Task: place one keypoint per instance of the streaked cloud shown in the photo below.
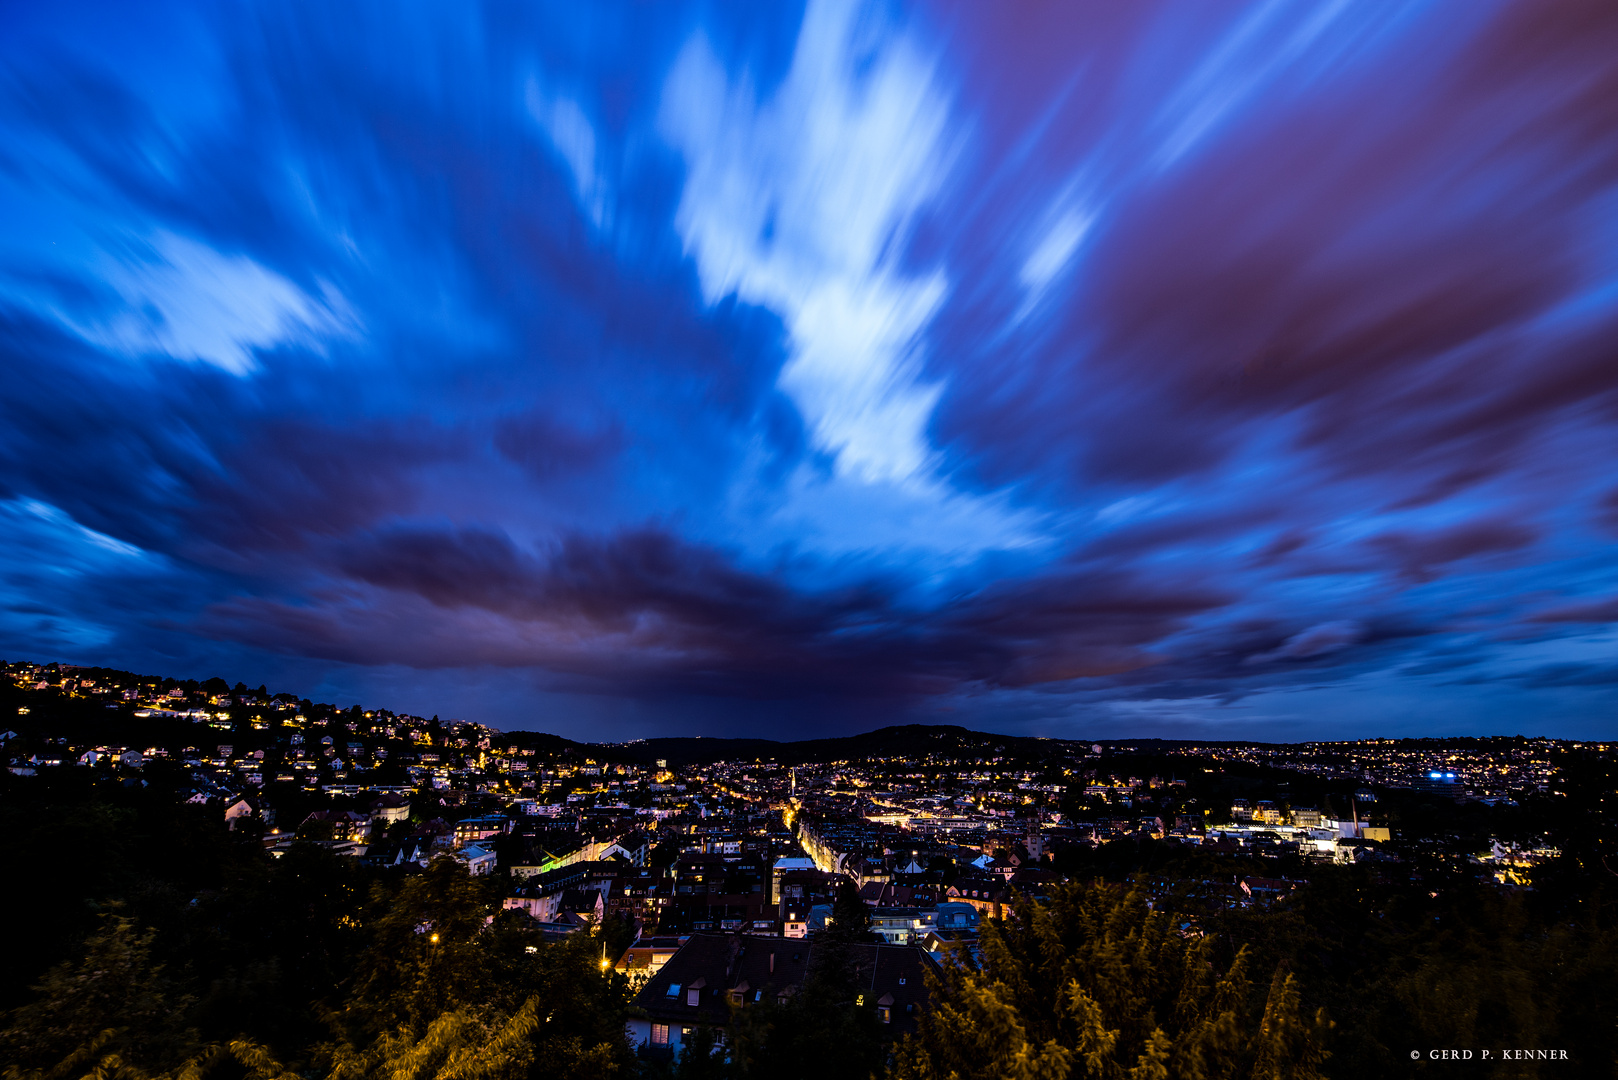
(802, 202)
(183, 300)
(1118, 367)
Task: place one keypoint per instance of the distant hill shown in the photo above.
(908, 740)
(113, 719)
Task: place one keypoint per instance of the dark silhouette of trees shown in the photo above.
(311, 966)
(850, 916)
(113, 1002)
(822, 1030)
(1097, 984)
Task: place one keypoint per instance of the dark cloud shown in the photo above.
(1559, 675)
(545, 447)
(1319, 640)
(1271, 355)
(651, 613)
(1420, 555)
(1596, 611)
(1375, 260)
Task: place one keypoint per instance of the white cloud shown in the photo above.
(571, 133)
(190, 302)
(930, 521)
(65, 531)
(43, 597)
(1127, 509)
(1271, 39)
(1056, 246)
(802, 203)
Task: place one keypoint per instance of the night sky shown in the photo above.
(1083, 369)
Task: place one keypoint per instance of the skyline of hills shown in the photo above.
(955, 742)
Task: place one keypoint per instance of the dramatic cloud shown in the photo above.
(187, 302)
(1242, 370)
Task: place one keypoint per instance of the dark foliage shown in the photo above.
(850, 916)
(176, 947)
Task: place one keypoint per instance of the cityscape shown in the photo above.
(707, 871)
(818, 540)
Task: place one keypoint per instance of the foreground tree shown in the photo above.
(113, 1003)
(445, 987)
(823, 1030)
(1095, 984)
(850, 917)
(451, 987)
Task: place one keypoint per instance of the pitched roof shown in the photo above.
(580, 900)
(713, 965)
(886, 893)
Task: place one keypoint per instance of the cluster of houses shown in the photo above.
(725, 932)
(727, 924)
(734, 919)
(710, 976)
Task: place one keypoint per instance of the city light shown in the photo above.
(707, 478)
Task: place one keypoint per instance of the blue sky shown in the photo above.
(1090, 369)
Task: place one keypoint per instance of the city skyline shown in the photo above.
(1215, 373)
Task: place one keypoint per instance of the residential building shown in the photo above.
(712, 974)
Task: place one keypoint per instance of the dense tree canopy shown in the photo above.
(231, 964)
(1096, 984)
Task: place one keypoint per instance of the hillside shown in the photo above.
(907, 741)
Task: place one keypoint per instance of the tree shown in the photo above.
(980, 1035)
(460, 1043)
(226, 964)
(439, 972)
(114, 999)
(850, 916)
(1288, 1045)
(703, 1056)
(823, 1030)
(1096, 984)
(426, 956)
